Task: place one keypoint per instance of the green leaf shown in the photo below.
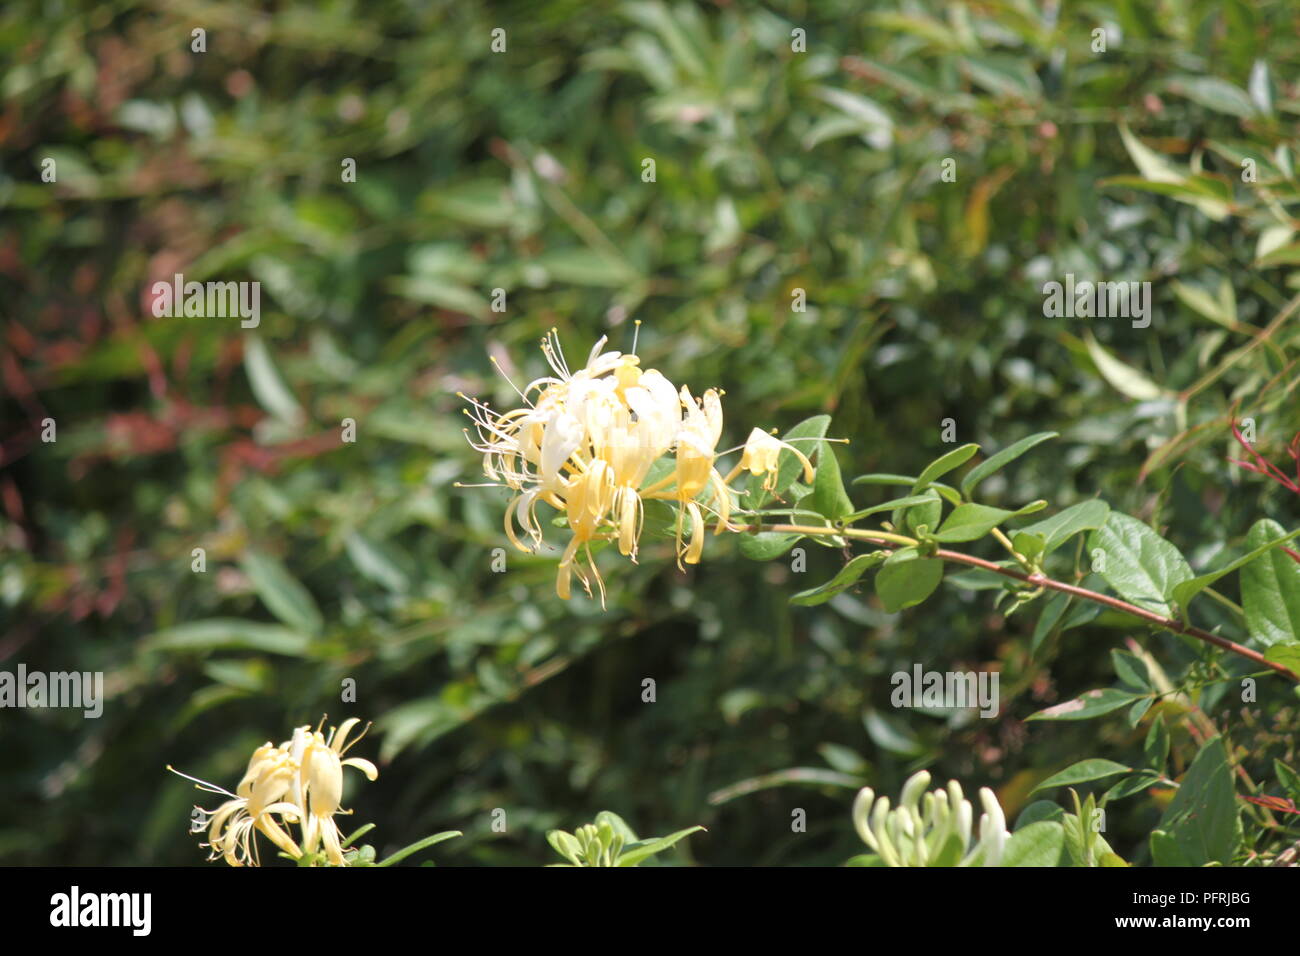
(889, 732)
(373, 561)
(1201, 302)
(968, 521)
(442, 292)
(1288, 655)
(1082, 772)
(1150, 164)
(946, 492)
(1036, 812)
(1201, 823)
(1093, 703)
(282, 594)
(1165, 850)
(1030, 545)
(1140, 565)
(1196, 191)
(1184, 592)
(618, 825)
(1286, 255)
(1038, 844)
(1001, 460)
(890, 505)
(1270, 589)
(634, 854)
(357, 834)
(906, 579)
(1063, 525)
(1139, 710)
(1004, 76)
(925, 514)
(230, 634)
(1156, 746)
(1130, 670)
(1214, 94)
(1085, 612)
(1052, 612)
(828, 496)
(1125, 379)
(1142, 780)
(884, 478)
(1261, 88)
(944, 464)
(565, 844)
(580, 266)
(846, 578)
(419, 845)
(766, 545)
(1288, 778)
(268, 386)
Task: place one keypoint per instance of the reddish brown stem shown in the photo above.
(1041, 580)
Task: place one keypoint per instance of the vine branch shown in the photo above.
(1040, 581)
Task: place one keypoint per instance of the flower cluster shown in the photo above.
(930, 831)
(586, 443)
(299, 782)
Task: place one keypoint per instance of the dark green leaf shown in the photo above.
(1038, 844)
(1130, 670)
(1063, 525)
(281, 593)
(1140, 565)
(968, 522)
(1142, 780)
(1086, 706)
(846, 578)
(637, 852)
(1001, 460)
(1202, 821)
(1270, 589)
(1184, 592)
(1083, 771)
(906, 579)
(230, 634)
(767, 545)
(944, 464)
(828, 497)
(1156, 746)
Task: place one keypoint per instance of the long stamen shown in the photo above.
(352, 743)
(497, 366)
(203, 784)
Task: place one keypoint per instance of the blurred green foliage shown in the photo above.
(774, 170)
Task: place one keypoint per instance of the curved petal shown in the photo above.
(364, 765)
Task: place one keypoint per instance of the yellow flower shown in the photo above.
(254, 806)
(321, 779)
(696, 450)
(762, 457)
(586, 442)
(298, 782)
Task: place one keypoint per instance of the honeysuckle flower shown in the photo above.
(762, 457)
(586, 443)
(252, 807)
(321, 779)
(298, 782)
(931, 829)
(697, 443)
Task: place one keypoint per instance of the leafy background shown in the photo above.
(775, 170)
